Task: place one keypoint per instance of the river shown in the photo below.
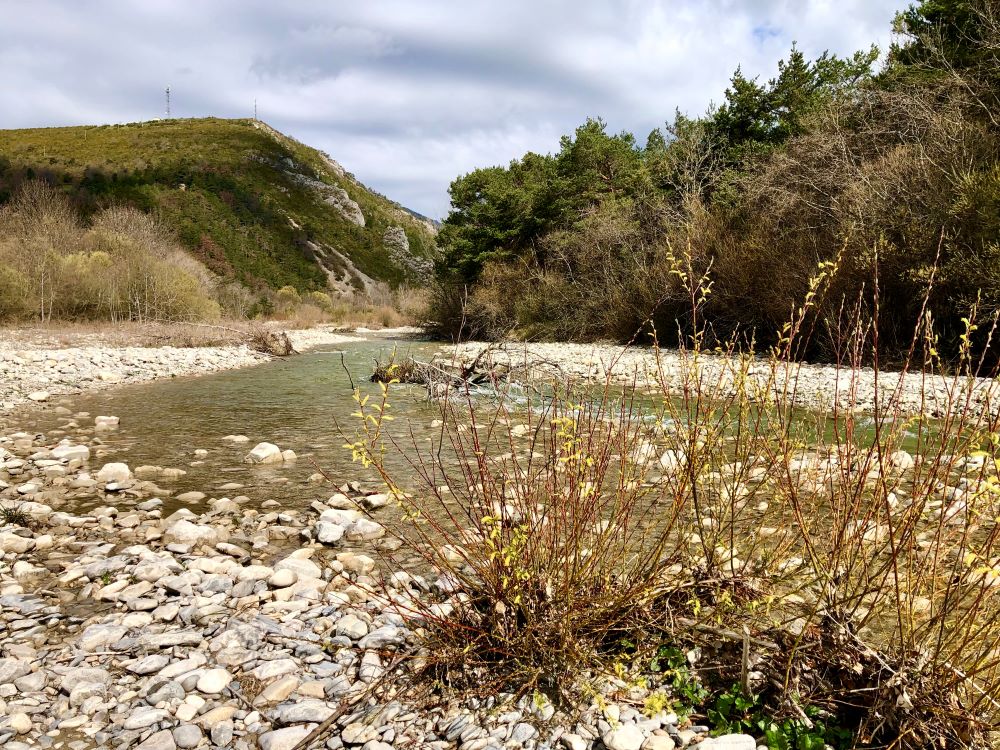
(299, 403)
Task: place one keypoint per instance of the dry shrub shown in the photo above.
(388, 317)
(235, 300)
(397, 369)
(493, 304)
(604, 278)
(307, 316)
(275, 343)
(135, 272)
(546, 586)
(448, 311)
(15, 293)
(125, 267)
(412, 303)
(378, 294)
(379, 307)
(39, 212)
(839, 565)
(38, 226)
(108, 334)
(878, 180)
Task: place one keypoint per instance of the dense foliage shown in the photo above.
(889, 170)
(239, 196)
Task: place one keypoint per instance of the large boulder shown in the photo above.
(364, 530)
(99, 636)
(729, 742)
(328, 533)
(106, 423)
(285, 739)
(624, 737)
(340, 517)
(901, 461)
(264, 453)
(11, 669)
(114, 473)
(68, 452)
(15, 543)
(191, 534)
(302, 567)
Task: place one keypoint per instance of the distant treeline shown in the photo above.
(890, 169)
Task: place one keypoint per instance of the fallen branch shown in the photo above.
(275, 343)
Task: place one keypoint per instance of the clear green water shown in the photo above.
(295, 403)
(302, 403)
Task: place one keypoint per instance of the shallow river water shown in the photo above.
(296, 403)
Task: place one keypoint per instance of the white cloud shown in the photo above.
(408, 95)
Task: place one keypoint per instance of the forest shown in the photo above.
(879, 169)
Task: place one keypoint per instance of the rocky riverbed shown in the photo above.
(819, 387)
(237, 627)
(249, 623)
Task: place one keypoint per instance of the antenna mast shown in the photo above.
(168, 102)
(255, 108)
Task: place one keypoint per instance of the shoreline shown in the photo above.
(32, 370)
(817, 387)
(37, 364)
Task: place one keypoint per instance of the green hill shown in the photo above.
(250, 203)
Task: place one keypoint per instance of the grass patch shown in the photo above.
(14, 517)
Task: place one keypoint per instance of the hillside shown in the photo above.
(247, 201)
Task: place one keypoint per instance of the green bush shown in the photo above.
(287, 299)
(322, 300)
(15, 293)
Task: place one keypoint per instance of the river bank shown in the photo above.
(809, 386)
(38, 364)
(237, 604)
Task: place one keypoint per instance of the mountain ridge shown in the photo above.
(250, 202)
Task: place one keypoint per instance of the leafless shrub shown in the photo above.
(125, 267)
(275, 343)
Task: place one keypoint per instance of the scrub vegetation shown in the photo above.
(812, 579)
(254, 208)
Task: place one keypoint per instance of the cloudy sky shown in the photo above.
(407, 94)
